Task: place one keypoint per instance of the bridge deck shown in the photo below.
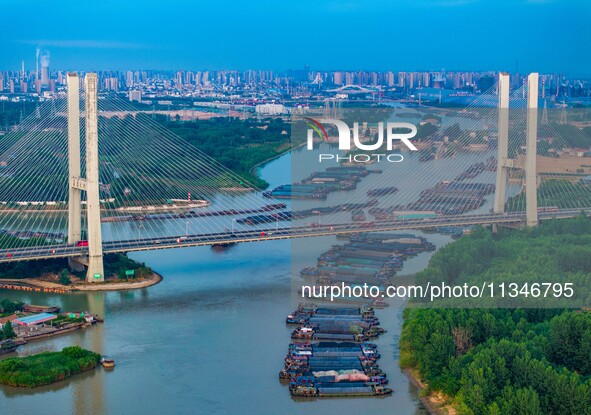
(257, 235)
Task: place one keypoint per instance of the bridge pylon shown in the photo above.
(90, 184)
(504, 163)
(531, 149)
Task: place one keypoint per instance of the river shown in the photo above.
(209, 339)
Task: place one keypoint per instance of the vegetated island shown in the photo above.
(495, 361)
(53, 275)
(48, 367)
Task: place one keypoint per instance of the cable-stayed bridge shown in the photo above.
(138, 186)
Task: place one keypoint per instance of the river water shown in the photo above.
(209, 339)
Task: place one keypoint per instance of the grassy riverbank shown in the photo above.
(235, 143)
(495, 361)
(46, 368)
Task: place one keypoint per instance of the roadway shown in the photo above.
(275, 233)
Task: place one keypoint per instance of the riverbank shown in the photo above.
(435, 404)
(253, 169)
(154, 279)
(38, 285)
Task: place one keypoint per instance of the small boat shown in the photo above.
(107, 362)
(222, 246)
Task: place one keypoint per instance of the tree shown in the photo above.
(65, 277)
(10, 307)
(525, 402)
(8, 331)
(462, 339)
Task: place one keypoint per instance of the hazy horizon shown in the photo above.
(379, 35)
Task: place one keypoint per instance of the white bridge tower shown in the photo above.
(94, 260)
(504, 163)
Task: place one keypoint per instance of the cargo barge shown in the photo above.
(383, 191)
(351, 389)
(192, 214)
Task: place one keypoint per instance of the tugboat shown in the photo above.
(107, 362)
(222, 246)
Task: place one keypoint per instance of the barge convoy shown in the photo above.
(335, 359)
(372, 258)
(319, 184)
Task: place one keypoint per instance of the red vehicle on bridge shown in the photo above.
(82, 243)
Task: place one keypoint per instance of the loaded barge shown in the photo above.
(327, 390)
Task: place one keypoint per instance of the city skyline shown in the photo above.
(426, 36)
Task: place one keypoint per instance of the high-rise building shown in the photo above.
(111, 84)
(135, 96)
(348, 78)
(374, 78)
(457, 81)
(178, 79)
(426, 79)
(390, 78)
(44, 75)
(44, 61)
(410, 80)
(401, 79)
(129, 79)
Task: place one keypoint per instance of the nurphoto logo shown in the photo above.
(346, 135)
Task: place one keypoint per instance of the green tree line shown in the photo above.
(523, 361)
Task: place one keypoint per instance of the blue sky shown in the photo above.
(533, 35)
